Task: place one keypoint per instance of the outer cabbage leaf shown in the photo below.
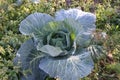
(83, 39)
(86, 19)
(97, 52)
(28, 60)
(68, 68)
(34, 22)
(73, 26)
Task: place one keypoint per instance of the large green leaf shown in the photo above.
(29, 58)
(51, 50)
(34, 22)
(97, 52)
(86, 19)
(83, 39)
(69, 68)
(23, 53)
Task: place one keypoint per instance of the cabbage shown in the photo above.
(59, 46)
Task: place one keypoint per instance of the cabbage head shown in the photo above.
(58, 46)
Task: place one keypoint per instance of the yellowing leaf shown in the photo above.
(2, 51)
(72, 36)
